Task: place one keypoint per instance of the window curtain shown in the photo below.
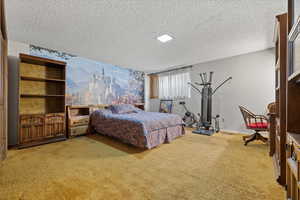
(174, 85)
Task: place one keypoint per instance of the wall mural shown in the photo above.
(92, 82)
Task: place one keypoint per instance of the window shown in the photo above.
(174, 85)
(153, 86)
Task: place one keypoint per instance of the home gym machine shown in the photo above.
(204, 126)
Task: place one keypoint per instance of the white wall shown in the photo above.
(14, 49)
(252, 86)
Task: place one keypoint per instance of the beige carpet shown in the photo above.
(191, 167)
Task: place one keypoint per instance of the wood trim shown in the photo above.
(272, 133)
(283, 93)
(3, 20)
(3, 84)
(25, 57)
(281, 105)
(37, 143)
(290, 15)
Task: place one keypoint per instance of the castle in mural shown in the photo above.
(92, 82)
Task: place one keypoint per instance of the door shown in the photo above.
(3, 84)
(32, 128)
(55, 125)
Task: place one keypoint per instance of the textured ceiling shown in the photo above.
(123, 32)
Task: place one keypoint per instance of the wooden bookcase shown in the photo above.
(42, 87)
(279, 137)
(293, 110)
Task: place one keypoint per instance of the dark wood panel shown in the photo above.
(293, 115)
(3, 84)
(282, 97)
(293, 105)
(279, 119)
(272, 133)
(290, 15)
(2, 75)
(2, 134)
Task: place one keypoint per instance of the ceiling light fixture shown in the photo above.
(164, 38)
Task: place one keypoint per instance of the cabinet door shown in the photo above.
(55, 125)
(31, 128)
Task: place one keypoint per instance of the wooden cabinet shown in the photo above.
(38, 127)
(32, 127)
(78, 120)
(293, 166)
(293, 108)
(41, 100)
(55, 125)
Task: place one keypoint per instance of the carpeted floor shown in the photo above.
(191, 167)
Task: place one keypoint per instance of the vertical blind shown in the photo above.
(174, 85)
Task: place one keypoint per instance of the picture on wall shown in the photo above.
(93, 82)
(166, 106)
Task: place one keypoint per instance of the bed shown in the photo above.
(136, 127)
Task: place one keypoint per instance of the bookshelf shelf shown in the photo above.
(41, 95)
(40, 79)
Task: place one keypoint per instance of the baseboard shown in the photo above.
(234, 132)
(46, 141)
(265, 134)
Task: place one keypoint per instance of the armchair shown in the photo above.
(254, 122)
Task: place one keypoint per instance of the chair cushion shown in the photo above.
(259, 125)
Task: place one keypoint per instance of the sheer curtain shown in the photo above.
(174, 85)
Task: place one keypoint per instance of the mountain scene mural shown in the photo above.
(93, 82)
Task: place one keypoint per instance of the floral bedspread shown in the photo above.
(135, 128)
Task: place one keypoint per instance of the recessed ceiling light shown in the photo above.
(164, 38)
